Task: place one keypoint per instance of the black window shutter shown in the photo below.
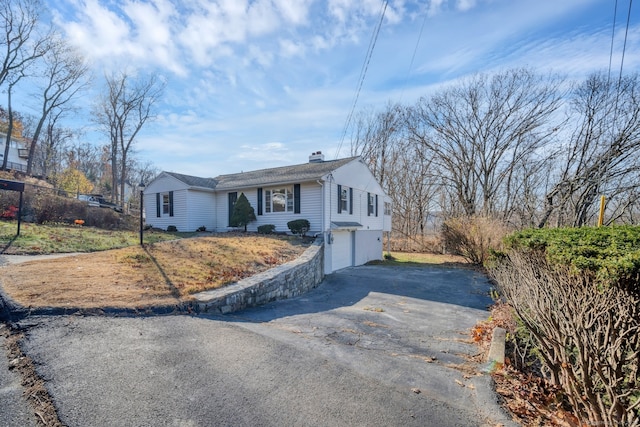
(376, 205)
(339, 198)
(259, 201)
(351, 201)
(233, 197)
(296, 198)
(170, 203)
(368, 204)
(158, 205)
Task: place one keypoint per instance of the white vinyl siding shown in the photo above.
(180, 214)
(201, 209)
(356, 241)
(366, 243)
(310, 209)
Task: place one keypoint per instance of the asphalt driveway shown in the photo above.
(371, 346)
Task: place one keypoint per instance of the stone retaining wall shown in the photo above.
(284, 281)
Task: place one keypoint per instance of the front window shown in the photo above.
(278, 199)
(387, 208)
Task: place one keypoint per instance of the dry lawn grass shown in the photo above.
(427, 258)
(159, 274)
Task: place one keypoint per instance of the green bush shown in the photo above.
(172, 228)
(266, 229)
(202, 228)
(299, 226)
(612, 254)
(243, 213)
(576, 290)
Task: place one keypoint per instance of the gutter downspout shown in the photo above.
(323, 212)
(326, 228)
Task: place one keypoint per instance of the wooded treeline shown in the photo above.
(528, 149)
(36, 60)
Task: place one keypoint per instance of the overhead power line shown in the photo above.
(415, 51)
(613, 36)
(626, 35)
(363, 73)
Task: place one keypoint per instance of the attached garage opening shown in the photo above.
(343, 245)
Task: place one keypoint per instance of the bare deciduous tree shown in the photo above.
(122, 111)
(64, 75)
(375, 138)
(403, 170)
(601, 154)
(480, 130)
(20, 45)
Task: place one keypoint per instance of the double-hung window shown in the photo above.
(285, 198)
(387, 208)
(164, 204)
(345, 199)
(278, 199)
(372, 204)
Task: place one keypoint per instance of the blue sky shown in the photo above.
(255, 84)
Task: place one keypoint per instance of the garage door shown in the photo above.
(342, 250)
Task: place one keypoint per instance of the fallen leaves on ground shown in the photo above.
(531, 400)
(159, 274)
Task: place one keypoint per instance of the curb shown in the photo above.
(495, 358)
(495, 362)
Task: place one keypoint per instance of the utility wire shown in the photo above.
(603, 177)
(415, 50)
(624, 45)
(363, 73)
(613, 35)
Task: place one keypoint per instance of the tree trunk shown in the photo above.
(7, 144)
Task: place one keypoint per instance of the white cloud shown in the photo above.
(465, 5)
(435, 6)
(295, 12)
(278, 76)
(98, 31)
(289, 48)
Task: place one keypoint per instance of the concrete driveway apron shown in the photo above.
(371, 346)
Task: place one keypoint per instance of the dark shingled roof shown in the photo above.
(194, 181)
(282, 175)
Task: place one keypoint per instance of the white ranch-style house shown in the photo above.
(18, 153)
(341, 199)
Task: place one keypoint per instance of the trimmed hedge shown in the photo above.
(299, 226)
(266, 229)
(612, 254)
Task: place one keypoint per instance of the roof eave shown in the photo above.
(267, 184)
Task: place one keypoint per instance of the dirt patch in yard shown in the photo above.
(160, 274)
